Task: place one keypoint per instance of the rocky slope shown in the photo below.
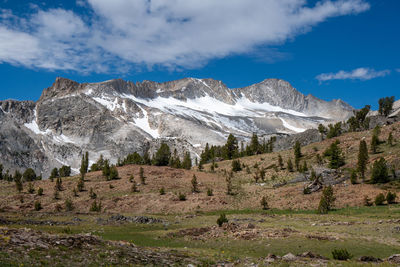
(117, 117)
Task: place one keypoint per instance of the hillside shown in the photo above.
(146, 228)
(247, 193)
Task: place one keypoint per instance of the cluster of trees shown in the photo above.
(162, 157)
(28, 175)
(64, 171)
(231, 149)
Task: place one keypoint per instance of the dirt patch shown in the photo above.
(233, 231)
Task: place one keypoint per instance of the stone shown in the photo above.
(289, 257)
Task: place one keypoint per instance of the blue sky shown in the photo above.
(346, 49)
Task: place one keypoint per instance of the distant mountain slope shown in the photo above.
(117, 117)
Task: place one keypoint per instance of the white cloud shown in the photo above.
(175, 33)
(357, 74)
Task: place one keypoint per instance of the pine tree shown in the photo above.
(195, 184)
(113, 173)
(374, 143)
(290, 165)
(231, 149)
(362, 158)
(58, 185)
(280, 162)
(353, 177)
(390, 139)
(18, 181)
(335, 154)
(264, 203)
(254, 144)
(162, 155)
(187, 161)
(106, 169)
(84, 163)
(134, 188)
(297, 150)
(141, 176)
(386, 105)
(81, 184)
(54, 174)
(326, 201)
(380, 172)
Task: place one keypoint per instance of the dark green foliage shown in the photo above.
(390, 139)
(106, 169)
(353, 177)
(54, 174)
(322, 129)
(326, 201)
(84, 163)
(181, 196)
(297, 164)
(113, 173)
(195, 184)
(222, 219)
(319, 159)
(334, 153)
(380, 199)
(209, 192)
(40, 191)
(386, 105)
(92, 194)
(362, 158)
(187, 161)
(305, 167)
(306, 191)
(31, 189)
(280, 162)
(290, 165)
(98, 166)
(37, 205)
(230, 150)
(254, 147)
(264, 203)
(297, 150)
(162, 156)
(313, 176)
(58, 185)
(360, 121)
(69, 206)
(380, 173)
(162, 191)
(18, 181)
(374, 143)
(236, 165)
(95, 207)
(334, 130)
(141, 176)
(341, 254)
(391, 198)
(29, 175)
(65, 171)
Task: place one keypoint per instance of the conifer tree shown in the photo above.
(380, 172)
(162, 155)
(326, 201)
(18, 181)
(290, 165)
(335, 154)
(374, 143)
(254, 144)
(229, 183)
(195, 185)
(231, 148)
(362, 158)
(264, 203)
(297, 150)
(187, 161)
(390, 139)
(280, 162)
(141, 176)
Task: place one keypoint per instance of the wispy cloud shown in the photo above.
(118, 35)
(357, 74)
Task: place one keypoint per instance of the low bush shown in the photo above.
(379, 199)
(341, 254)
(222, 219)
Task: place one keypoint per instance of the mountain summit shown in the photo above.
(117, 117)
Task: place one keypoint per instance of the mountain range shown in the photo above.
(117, 117)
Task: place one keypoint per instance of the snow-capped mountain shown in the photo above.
(115, 118)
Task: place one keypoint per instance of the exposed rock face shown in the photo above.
(116, 117)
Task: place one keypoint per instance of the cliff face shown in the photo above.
(116, 117)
